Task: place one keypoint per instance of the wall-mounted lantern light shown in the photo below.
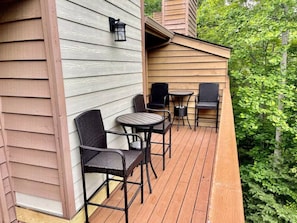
(118, 28)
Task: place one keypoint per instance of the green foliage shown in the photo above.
(258, 82)
(269, 193)
(151, 6)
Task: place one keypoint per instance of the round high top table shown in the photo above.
(142, 120)
(181, 109)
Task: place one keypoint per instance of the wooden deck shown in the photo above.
(181, 192)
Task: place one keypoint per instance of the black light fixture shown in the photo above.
(118, 28)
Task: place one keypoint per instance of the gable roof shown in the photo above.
(201, 45)
(157, 35)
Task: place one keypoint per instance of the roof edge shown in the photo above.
(201, 45)
(205, 41)
(158, 28)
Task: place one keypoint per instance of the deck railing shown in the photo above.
(226, 203)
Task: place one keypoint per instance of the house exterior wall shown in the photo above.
(98, 72)
(57, 59)
(185, 63)
(180, 16)
(28, 88)
(192, 21)
(7, 199)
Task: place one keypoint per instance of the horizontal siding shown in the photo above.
(184, 65)
(175, 16)
(27, 30)
(6, 191)
(20, 155)
(185, 79)
(80, 86)
(20, 11)
(24, 88)
(36, 173)
(30, 140)
(29, 123)
(177, 12)
(82, 68)
(108, 110)
(157, 16)
(23, 69)
(7, 210)
(178, 59)
(201, 73)
(40, 189)
(85, 51)
(101, 98)
(174, 4)
(98, 72)
(178, 50)
(180, 16)
(26, 105)
(93, 15)
(97, 35)
(22, 51)
(184, 68)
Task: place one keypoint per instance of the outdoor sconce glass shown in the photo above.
(118, 28)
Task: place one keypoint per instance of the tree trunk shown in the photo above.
(278, 134)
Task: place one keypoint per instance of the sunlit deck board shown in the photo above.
(181, 192)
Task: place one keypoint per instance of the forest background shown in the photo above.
(263, 74)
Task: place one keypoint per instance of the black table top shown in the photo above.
(181, 93)
(140, 119)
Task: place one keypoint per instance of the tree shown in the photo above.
(151, 6)
(254, 30)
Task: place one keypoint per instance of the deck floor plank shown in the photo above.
(172, 184)
(187, 209)
(181, 192)
(184, 179)
(158, 189)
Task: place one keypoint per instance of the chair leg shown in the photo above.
(126, 200)
(166, 147)
(86, 213)
(170, 143)
(164, 151)
(85, 199)
(141, 182)
(196, 118)
(217, 117)
(107, 186)
(148, 178)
